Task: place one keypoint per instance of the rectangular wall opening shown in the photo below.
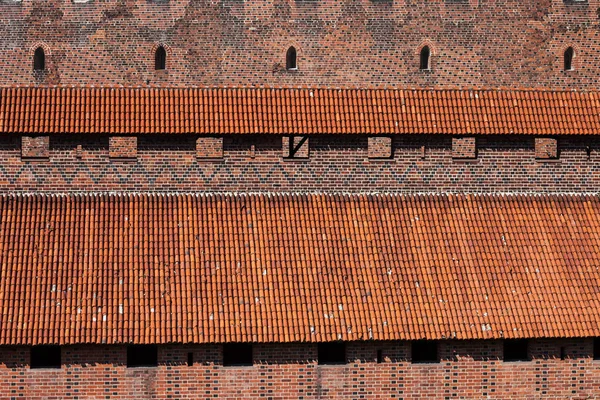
(331, 353)
(237, 354)
(45, 357)
(516, 350)
(424, 351)
(142, 355)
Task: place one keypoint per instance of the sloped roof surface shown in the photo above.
(298, 111)
(314, 267)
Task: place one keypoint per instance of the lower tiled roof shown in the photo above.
(32, 110)
(150, 268)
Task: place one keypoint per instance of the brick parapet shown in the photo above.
(420, 163)
(468, 369)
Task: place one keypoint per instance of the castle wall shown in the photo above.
(468, 369)
(340, 43)
(333, 163)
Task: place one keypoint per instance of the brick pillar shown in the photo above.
(299, 149)
(380, 147)
(122, 147)
(546, 148)
(209, 147)
(464, 148)
(37, 147)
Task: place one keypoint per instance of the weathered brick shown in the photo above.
(380, 147)
(464, 148)
(169, 163)
(295, 147)
(340, 43)
(36, 147)
(546, 148)
(473, 369)
(122, 147)
(209, 147)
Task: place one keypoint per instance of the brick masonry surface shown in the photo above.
(122, 147)
(336, 163)
(209, 147)
(380, 147)
(546, 148)
(467, 370)
(465, 147)
(35, 146)
(482, 43)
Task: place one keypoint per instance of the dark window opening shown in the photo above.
(563, 353)
(516, 350)
(45, 357)
(142, 355)
(424, 351)
(190, 360)
(424, 59)
(160, 59)
(290, 60)
(379, 356)
(331, 353)
(39, 59)
(237, 354)
(569, 53)
(596, 348)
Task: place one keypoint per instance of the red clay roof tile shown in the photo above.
(299, 111)
(148, 268)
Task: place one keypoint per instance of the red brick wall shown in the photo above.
(124, 147)
(464, 147)
(250, 163)
(546, 148)
(35, 147)
(380, 147)
(468, 369)
(209, 147)
(339, 42)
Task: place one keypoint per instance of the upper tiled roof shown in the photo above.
(298, 111)
(313, 267)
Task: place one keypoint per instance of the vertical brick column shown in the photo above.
(299, 147)
(122, 147)
(380, 147)
(209, 147)
(546, 148)
(35, 147)
(464, 148)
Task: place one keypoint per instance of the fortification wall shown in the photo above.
(364, 43)
(424, 163)
(558, 369)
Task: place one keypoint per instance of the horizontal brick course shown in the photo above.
(255, 162)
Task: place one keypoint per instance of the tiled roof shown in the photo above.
(278, 268)
(298, 111)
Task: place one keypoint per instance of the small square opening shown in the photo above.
(45, 357)
(142, 355)
(596, 348)
(516, 350)
(424, 351)
(237, 354)
(331, 353)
